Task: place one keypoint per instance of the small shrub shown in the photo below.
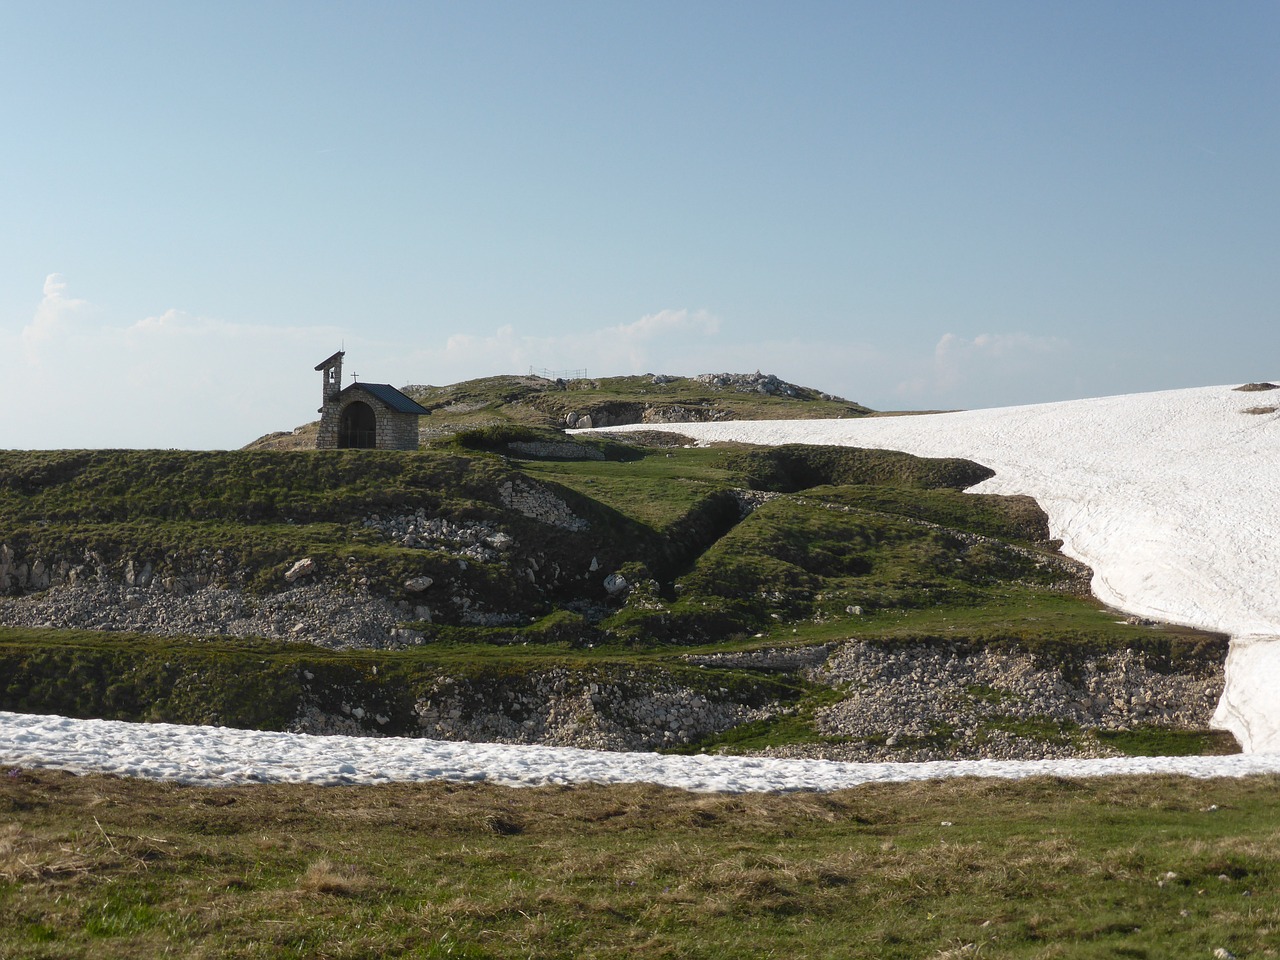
(499, 435)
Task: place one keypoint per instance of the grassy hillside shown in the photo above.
(665, 520)
(468, 561)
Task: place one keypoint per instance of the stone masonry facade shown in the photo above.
(371, 416)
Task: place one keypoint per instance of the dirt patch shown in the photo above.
(1257, 387)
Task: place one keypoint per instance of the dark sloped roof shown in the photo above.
(336, 357)
(390, 396)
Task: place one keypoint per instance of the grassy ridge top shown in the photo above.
(726, 396)
(533, 401)
(245, 486)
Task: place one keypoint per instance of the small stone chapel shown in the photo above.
(366, 416)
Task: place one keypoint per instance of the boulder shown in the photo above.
(501, 541)
(303, 568)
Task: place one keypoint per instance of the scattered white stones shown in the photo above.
(313, 612)
(757, 382)
(930, 702)
(474, 541)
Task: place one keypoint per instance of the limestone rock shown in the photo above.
(303, 568)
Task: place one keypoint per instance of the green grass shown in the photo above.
(265, 685)
(99, 867)
(794, 467)
(241, 518)
(240, 486)
(1163, 742)
(1016, 519)
(658, 489)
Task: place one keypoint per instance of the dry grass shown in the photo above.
(1260, 410)
(102, 867)
(1257, 387)
(322, 876)
(26, 859)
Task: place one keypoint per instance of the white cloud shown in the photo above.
(176, 379)
(167, 380)
(998, 345)
(988, 368)
(54, 316)
(642, 346)
(666, 323)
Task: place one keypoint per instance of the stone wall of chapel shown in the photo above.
(330, 420)
(395, 431)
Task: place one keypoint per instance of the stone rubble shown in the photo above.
(538, 503)
(481, 542)
(313, 613)
(927, 702)
(563, 708)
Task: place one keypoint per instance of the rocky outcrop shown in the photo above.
(311, 612)
(21, 575)
(18, 574)
(909, 703)
(619, 414)
(929, 702)
(538, 503)
(779, 659)
(757, 382)
(634, 711)
(921, 701)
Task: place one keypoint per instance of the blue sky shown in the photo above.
(912, 205)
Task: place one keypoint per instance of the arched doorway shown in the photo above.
(359, 427)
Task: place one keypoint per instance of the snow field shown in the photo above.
(218, 756)
(1169, 497)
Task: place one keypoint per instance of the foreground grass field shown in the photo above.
(1129, 867)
